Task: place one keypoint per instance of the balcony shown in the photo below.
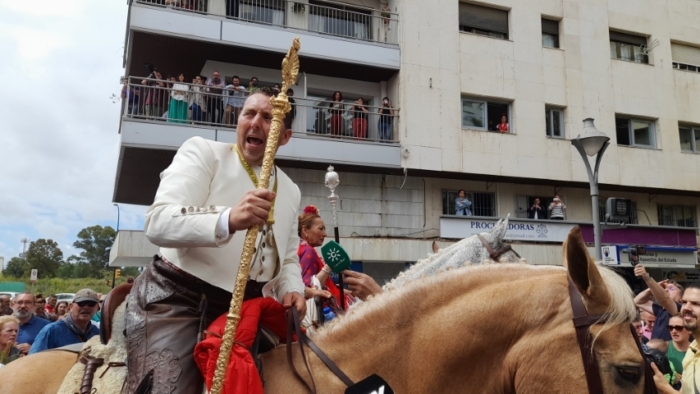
(324, 132)
(328, 30)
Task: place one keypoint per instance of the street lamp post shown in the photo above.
(593, 143)
(117, 205)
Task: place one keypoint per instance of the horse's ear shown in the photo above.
(500, 228)
(584, 272)
(436, 248)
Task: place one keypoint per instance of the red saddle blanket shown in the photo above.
(241, 374)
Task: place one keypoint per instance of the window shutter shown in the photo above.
(484, 18)
(550, 26)
(685, 54)
(628, 38)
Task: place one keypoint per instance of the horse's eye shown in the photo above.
(630, 374)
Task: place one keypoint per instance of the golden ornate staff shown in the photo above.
(280, 107)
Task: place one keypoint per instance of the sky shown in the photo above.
(61, 62)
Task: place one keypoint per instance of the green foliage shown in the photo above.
(60, 285)
(17, 267)
(45, 256)
(96, 243)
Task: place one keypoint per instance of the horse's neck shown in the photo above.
(424, 345)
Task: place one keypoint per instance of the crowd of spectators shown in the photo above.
(213, 101)
(30, 323)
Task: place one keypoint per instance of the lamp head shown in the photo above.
(592, 139)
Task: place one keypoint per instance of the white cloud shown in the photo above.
(61, 61)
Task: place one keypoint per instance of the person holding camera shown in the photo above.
(556, 208)
(689, 313)
(536, 211)
(154, 93)
(668, 297)
(252, 85)
(386, 119)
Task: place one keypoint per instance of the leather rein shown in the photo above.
(583, 322)
(495, 254)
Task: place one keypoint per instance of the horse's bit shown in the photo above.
(496, 254)
(582, 322)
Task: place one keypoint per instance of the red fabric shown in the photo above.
(241, 375)
(309, 270)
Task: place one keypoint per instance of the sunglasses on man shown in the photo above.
(86, 303)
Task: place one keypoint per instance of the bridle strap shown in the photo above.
(582, 323)
(293, 324)
(496, 254)
(649, 385)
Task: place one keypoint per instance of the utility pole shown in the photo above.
(25, 241)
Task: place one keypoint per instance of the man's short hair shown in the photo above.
(694, 285)
(235, 77)
(288, 119)
(26, 293)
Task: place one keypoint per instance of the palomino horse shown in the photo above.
(498, 328)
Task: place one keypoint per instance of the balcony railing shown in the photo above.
(196, 104)
(324, 17)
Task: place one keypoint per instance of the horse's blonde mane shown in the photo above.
(620, 311)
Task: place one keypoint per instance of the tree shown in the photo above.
(17, 267)
(45, 256)
(96, 243)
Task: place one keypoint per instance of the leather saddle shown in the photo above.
(112, 301)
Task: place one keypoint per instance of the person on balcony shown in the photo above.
(215, 104)
(359, 119)
(198, 103)
(177, 110)
(462, 204)
(336, 109)
(234, 95)
(252, 85)
(154, 94)
(386, 119)
(557, 208)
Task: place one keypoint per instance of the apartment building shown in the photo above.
(484, 97)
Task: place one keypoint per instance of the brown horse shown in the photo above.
(499, 328)
(502, 328)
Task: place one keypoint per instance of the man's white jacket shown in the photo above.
(204, 179)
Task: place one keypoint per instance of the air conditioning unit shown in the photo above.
(618, 209)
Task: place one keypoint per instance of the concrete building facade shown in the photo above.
(452, 69)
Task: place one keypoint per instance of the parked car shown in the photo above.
(12, 294)
(65, 296)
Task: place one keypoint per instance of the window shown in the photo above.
(550, 33)
(340, 21)
(523, 203)
(635, 132)
(631, 219)
(483, 204)
(690, 138)
(555, 122)
(685, 57)
(677, 216)
(482, 20)
(485, 115)
(628, 47)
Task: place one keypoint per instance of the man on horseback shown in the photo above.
(201, 237)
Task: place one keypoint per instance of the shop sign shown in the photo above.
(682, 275)
(653, 258)
(530, 230)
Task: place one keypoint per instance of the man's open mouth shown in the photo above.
(255, 141)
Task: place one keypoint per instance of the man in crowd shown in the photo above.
(76, 327)
(5, 305)
(206, 200)
(667, 295)
(689, 314)
(639, 328)
(29, 325)
(51, 304)
(215, 103)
